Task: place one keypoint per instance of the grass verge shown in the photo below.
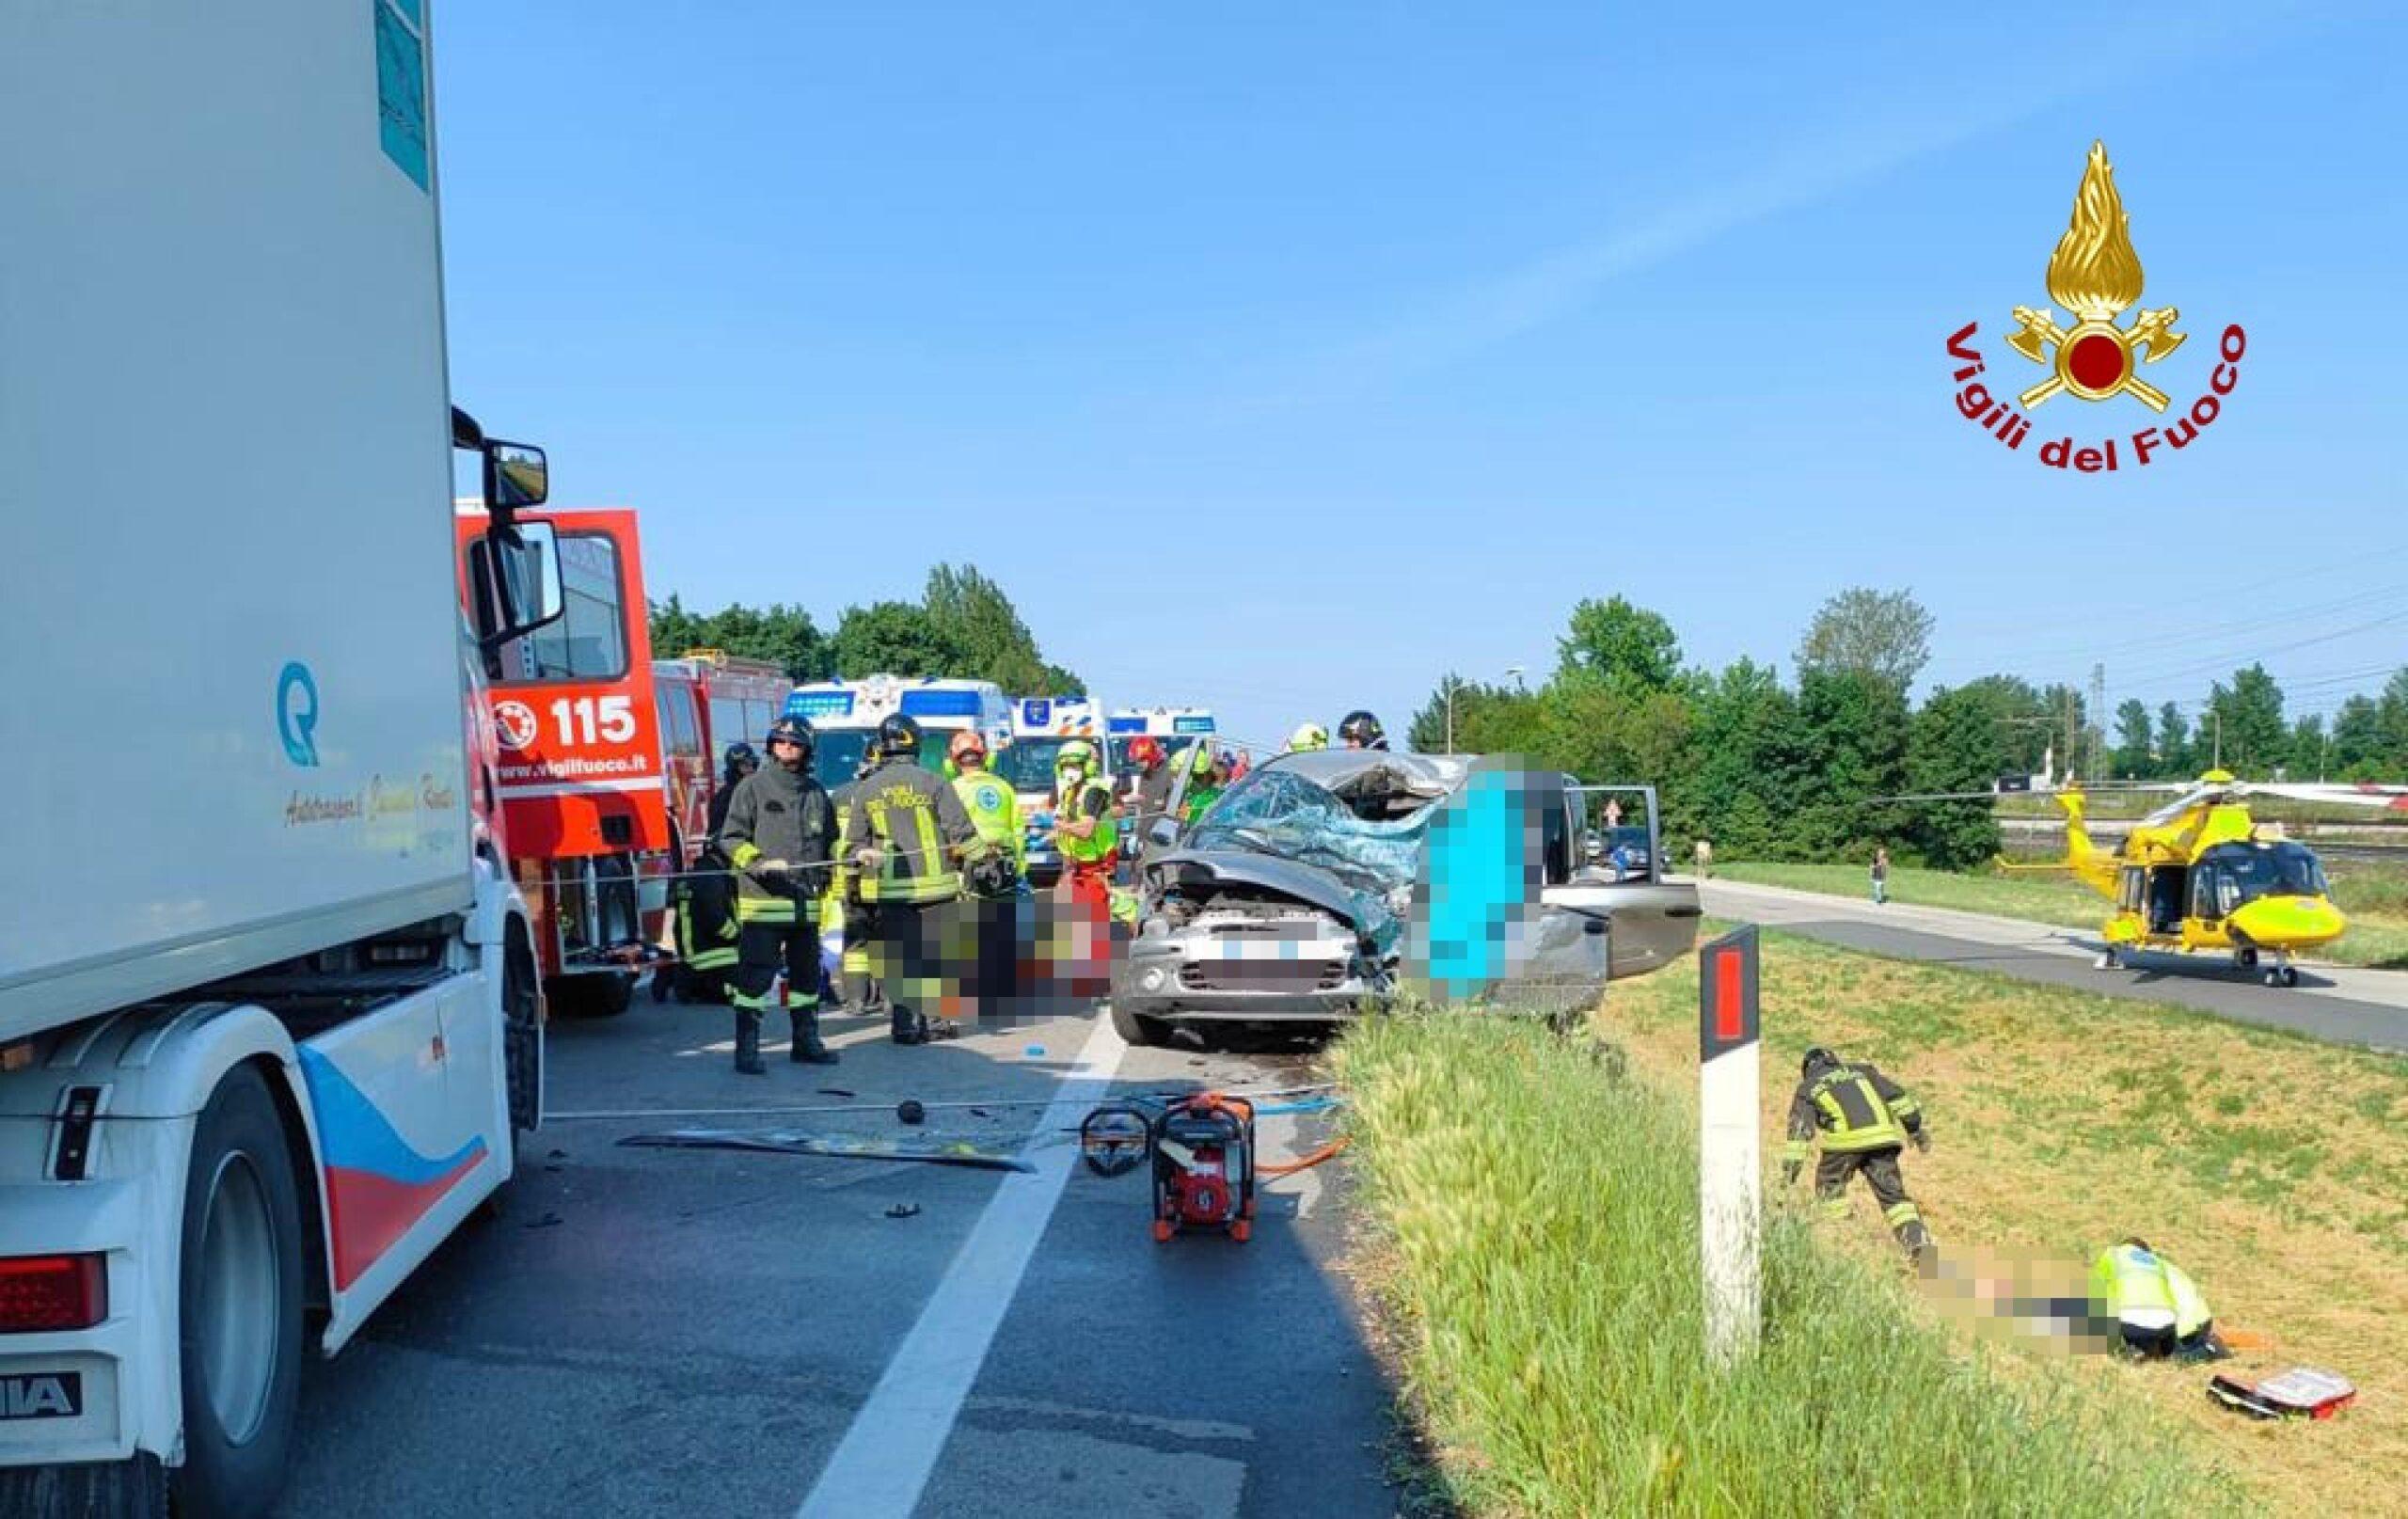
(2375, 897)
(1537, 1216)
(2268, 1165)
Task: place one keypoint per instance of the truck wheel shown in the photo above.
(522, 1029)
(240, 1303)
(1137, 1031)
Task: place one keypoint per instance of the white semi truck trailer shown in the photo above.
(268, 1011)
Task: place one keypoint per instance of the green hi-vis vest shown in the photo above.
(1097, 847)
(2128, 1277)
(994, 812)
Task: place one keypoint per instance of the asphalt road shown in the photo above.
(661, 1331)
(2338, 1004)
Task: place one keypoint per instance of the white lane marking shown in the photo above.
(885, 1458)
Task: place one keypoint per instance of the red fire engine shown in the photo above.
(709, 700)
(578, 776)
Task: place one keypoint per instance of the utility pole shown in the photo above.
(2073, 734)
(2096, 769)
(2217, 713)
(1451, 684)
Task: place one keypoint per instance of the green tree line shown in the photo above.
(964, 626)
(1794, 770)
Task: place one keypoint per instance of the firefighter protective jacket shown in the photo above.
(778, 814)
(919, 828)
(1856, 1107)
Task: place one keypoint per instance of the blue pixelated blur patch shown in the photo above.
(1479, 884)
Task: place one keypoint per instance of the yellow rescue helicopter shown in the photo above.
(2200, 875)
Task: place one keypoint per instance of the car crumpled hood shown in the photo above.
(1220, 868)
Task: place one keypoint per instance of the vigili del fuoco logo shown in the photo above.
(2095, 275)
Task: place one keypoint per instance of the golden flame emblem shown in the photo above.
(2095, 274)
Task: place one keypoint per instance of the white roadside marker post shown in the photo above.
(1729, 1144)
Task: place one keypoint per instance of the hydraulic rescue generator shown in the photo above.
(1203, 1160)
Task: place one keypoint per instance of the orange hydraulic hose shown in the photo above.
(1303, 1162)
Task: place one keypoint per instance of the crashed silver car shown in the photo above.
(1294, 898)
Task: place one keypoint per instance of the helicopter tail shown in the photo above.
(2090, 864)
(2094, 866)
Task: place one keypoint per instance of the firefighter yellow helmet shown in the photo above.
(1308, 735)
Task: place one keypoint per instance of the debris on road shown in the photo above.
(909, 1110)
(904, 1211)
(543, 1223)
(791, 1142)
(835, 1091)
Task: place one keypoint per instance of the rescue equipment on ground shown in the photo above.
(2301, 1391)
(1203, 1148)
(791, 1142)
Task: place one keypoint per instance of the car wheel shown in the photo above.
(239, 1298)
(1140, 1032)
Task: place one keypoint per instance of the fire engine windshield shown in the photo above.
(589, 640)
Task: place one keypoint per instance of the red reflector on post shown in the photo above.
(1730, 1006)
(52, 1292)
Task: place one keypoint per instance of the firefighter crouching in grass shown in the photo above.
(1865, 1119)
(778, 826)
(907, 833)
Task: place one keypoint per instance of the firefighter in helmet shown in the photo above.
(1865, 1119)
(779, 827)
(907, 833)
(1308, 735)
(1360, 730)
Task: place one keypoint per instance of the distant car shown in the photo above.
(1630, 855)
(1287, 901)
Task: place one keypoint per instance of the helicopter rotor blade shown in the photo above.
(2380, 797)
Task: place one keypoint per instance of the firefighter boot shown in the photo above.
(807, 1048)
(905, 1025)
(748, 1042)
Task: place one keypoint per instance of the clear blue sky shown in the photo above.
(1378, 335)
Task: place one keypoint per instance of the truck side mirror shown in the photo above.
(516, 475)
(526, 560)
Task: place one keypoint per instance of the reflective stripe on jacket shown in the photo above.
(1856, 1107)
(1092, 798)
(2133, 1283)
(919, 826)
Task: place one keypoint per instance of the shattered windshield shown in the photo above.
(1279, 813)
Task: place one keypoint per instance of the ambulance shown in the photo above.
(1040, 726)
(1177, 728)
(845, 715)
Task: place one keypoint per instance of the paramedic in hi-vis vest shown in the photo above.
(2157, 1307)
(908, 833)
(1086, 827)
(778, 826)
(1865, 1119)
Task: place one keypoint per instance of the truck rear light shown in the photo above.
(52, 1292)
